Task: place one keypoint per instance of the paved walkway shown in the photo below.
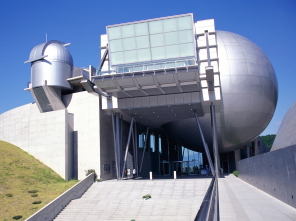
(113, 200)
(241, 201)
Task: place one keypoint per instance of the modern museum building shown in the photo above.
(166, 92)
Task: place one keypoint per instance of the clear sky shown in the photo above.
(271, 24)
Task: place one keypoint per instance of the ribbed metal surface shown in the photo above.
(51, 61)
(249, 93)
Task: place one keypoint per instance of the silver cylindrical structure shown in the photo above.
(51, 61)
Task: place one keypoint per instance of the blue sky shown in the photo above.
(270, 24)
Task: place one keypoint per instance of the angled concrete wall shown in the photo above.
(69, 141)
(46, 136)
(286, 135)
(52, 209)
(273, 172)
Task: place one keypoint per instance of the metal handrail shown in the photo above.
(209, 209)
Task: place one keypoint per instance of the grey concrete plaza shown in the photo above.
(242, 201)
(113, 200)
(174, 200)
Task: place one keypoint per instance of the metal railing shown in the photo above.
(209, 210)
(151, 66)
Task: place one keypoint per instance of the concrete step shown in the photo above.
(122, 200)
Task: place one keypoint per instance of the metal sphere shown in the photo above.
(249, 97)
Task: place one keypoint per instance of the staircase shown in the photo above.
(122, 200)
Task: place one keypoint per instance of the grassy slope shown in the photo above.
(19, 173)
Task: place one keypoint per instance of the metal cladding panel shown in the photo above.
(55, 73)
(51, 61)
(249, 94)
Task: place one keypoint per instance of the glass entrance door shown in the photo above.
(165, 168)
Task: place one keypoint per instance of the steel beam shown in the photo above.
(215, 140)
(115, 146)
(205, 145)
(127, 146)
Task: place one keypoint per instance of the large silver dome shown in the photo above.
(51, 61)
(249, 95)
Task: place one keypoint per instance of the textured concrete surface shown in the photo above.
(115, 200)
(241, 201)
(273, 173)
(285, 136)
(52, 209)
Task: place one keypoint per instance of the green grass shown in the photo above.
(20, 176)
(235, 173)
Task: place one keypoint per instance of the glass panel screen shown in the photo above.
(142, 42)
(158, 53)
(128, 31)
(114, 33)
(117, 58)
(156, 40)
(144, 55)
(141, 29)
(130, 56)
(171, 38)
(116, 45)
(152, 41)
(129, 43)
(155, 27)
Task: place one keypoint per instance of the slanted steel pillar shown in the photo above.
(127, 146)
(115, 140)
(137, 150)
(215, 140)
(145, 144)
(205, 145)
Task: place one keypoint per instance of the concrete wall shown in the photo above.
(273, 172)
(86, 110)
(43, 135)
(286, 135)
(51, 210)
(107, 146)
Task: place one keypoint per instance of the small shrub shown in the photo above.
(17, 217)
(37, 202)
(99, 180)
(9, 195)
(32, 191)
(34, 195)
(235, 173)
(89, 171)
(146, 196)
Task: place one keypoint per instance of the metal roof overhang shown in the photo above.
(154, 97)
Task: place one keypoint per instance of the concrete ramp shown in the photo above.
(122, 200)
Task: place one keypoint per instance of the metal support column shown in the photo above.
(205, 145)
(146, 138)
(137, 150)
(134, 147)
(115, 145)
(118, 143)
(215, 141)
(127, 146)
